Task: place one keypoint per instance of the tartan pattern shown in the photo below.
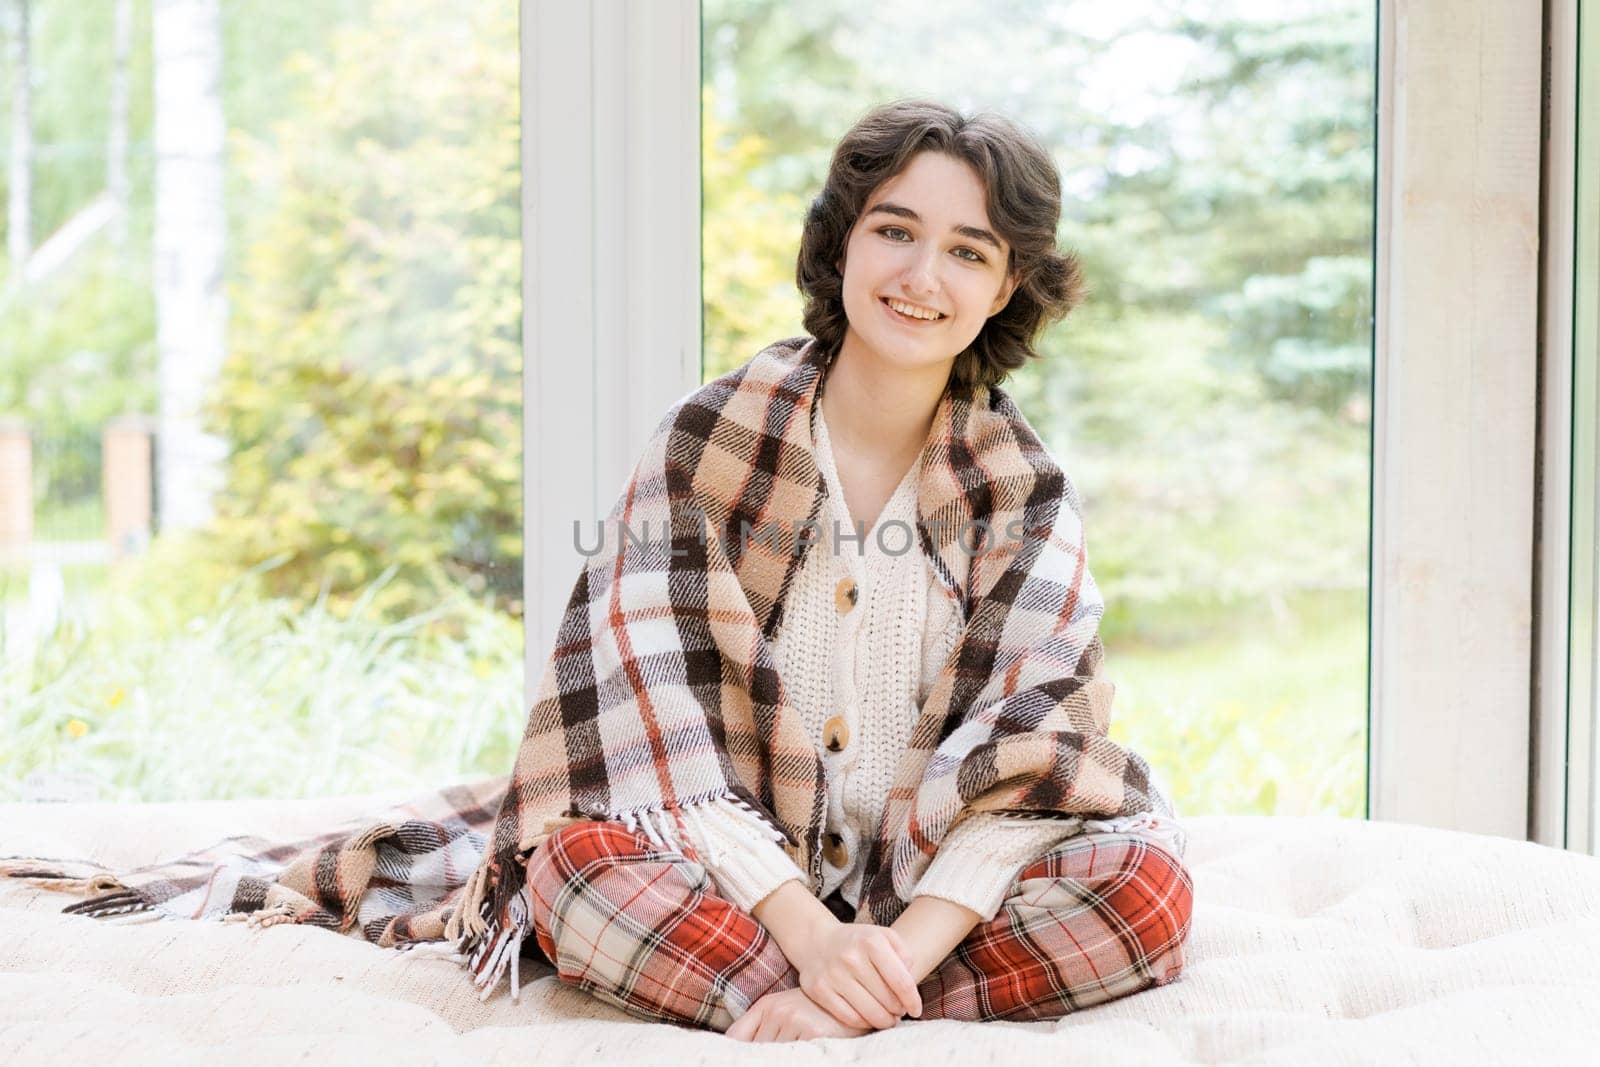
(662, 691)
(1099, 916)
(394, 879)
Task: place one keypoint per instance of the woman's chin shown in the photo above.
(911, 358)
(902, 350)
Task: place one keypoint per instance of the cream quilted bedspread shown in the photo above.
(1315, 940)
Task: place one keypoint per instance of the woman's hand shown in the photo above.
(789, 1015)
(861, 974)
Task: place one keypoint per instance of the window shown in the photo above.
(1212, 398)
(260, 373)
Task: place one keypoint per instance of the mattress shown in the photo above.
(1314, 940)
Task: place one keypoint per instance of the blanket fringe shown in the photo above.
(63, 876)
(502, 948)
(123, 902)
(668, 827)
(273, 915)
(432, 950)
(466, 925)
(106, 895)
(149, 915)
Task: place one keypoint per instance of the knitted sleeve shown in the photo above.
(983, 854)
(737, 850)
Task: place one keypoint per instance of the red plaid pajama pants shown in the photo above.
(1099, 916)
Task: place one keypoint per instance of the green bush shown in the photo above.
(78, 350)
(372, 394)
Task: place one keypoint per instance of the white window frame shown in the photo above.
(610, 267)
(1568, 594)
(611, 145)
(1454, 420)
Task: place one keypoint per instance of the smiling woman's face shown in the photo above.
(924, 237)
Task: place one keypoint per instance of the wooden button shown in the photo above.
(834, 852)
(845, 595)
(836, 734)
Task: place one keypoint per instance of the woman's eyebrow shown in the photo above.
(977, 233)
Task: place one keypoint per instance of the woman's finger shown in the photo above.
(745, 1027)
(869, 1005)
(897, 976)
(840, 1008)
(888, 1000)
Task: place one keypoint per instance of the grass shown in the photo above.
(1245, 708)
(260, 698)
(1250, 709)
(82, 582)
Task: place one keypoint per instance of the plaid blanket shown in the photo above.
(662, 692)
(392, 876)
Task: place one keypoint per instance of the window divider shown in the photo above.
(611, 320)
(1455, 391)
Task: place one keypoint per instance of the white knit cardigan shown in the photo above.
(872, 664)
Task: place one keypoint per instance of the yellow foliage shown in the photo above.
(372, 394)
(751, 237)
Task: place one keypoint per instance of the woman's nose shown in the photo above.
(922, 277)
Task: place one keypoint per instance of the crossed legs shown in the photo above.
(1099, 916)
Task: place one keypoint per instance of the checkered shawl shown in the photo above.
(662, 691)
(391, 876)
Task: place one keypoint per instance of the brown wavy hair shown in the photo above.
(1024, 205)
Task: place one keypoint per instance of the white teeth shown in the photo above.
(907, 309)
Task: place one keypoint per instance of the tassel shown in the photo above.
(487, 963)
(282, 912)
(778, 835)
(466, 923)
(503, 948)
(668, 827)
(149, 915)
(431, 950)
(62, 876)
(694, 815)
(520, 908)
(123, 902)
(107, 896)
(651, 830)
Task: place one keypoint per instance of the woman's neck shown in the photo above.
(881, 414)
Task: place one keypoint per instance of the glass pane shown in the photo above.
(1211, 399)
(260, 373)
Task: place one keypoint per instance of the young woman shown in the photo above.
(907, 805)
(831, 748)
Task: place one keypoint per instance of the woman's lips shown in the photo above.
(907, 319)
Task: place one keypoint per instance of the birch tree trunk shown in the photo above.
(191, 310)
(117, 139)
(19, 216)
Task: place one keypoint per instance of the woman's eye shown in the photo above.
(976, 257)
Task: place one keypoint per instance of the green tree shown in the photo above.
(372, 392)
